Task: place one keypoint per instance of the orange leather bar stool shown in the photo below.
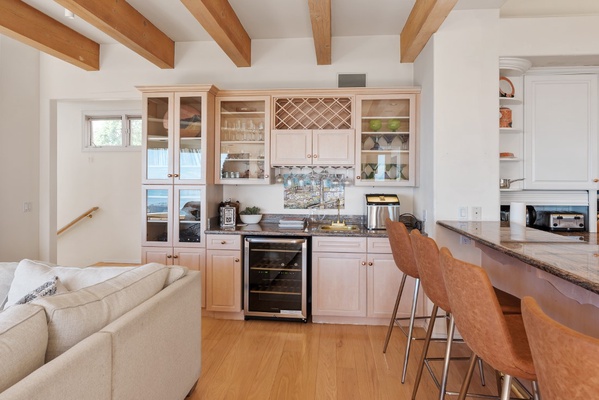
(426, 254)
(566, 361)
(403, 255)
(497, 338)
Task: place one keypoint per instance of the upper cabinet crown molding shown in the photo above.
(518, 65)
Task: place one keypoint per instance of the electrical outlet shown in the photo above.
(477, 213)
(424, 215)
(27, 206)
(463, 212)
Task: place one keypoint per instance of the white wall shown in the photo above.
(549, 36)
(460, 136)
(110, 180)
(19, 150)
(288, 63)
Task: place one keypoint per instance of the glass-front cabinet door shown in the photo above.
(173, 215)
(387, 137)
(188, 223)
(157, 223)
(176, 137)
(243, 140)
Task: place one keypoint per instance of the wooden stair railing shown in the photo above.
(88, 214)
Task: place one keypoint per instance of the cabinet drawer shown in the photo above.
(339, 244)
(379, 245)
(223, 242)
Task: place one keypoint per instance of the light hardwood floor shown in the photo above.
(288, 360)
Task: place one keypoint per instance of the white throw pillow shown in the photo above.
(31, 274)
(7, 274)
(23, 339)
(76, 315)
(175, 272)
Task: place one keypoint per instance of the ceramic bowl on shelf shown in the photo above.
(250, 219)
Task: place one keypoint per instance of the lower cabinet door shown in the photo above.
(223, 280)
(160, 255)
(384, 279)
(339, 284)
(194, 259)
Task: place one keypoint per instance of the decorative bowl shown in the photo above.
(375, 124)
(393, 125)
(250, 219)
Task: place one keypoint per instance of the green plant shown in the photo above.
(250, 211)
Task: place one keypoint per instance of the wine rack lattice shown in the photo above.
(313, 113)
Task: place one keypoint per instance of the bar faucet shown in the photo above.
(338, 222)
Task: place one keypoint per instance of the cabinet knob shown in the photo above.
(237, 260)
(169, 256)
(266, 176)
(358, 177)
(370, 263)
(175, 256)
(315, 155)
(169, 175)
(363, 263)
(595, 180)
(309, 155)
(176, 175)
(223, 242)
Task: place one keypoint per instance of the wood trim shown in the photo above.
(88, 214)
(425, 19)
(24, 23)
(220, 21)
(320, 16)
(121, 21)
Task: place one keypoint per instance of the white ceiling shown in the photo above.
(270, 19)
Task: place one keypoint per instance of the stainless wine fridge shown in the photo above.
(275, 278)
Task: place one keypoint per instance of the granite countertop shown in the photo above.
(572, 256)
(269, 226)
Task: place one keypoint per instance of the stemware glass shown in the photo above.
(335, 179)
(279, 178)
(347, 181)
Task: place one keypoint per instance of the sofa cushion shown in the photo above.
(7, 274)
(31, 274)
(23, 340)
(75, 315)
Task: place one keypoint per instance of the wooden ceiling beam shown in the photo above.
(425, 19)
(26, 24)
(220, 21)
(121, 21)
(320, 15)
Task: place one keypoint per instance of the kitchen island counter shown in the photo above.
(573, 258)
(561, 271)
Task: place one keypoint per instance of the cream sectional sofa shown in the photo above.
(108, 333)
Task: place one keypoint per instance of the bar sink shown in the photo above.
(338, 228)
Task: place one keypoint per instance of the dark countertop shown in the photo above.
(272, 229)
(572, 256)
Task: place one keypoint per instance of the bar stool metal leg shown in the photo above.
(447, 358)
(410, 330)
(394, 315)
(427, 342)
(468, 377)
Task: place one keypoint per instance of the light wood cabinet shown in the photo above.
(561, 132)
(353, 277)
(386, 146)
(312, 147)
(194, 259)
(242, 139)
(224, 273)
(177, 134)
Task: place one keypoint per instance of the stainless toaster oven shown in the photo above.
(560, 221)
